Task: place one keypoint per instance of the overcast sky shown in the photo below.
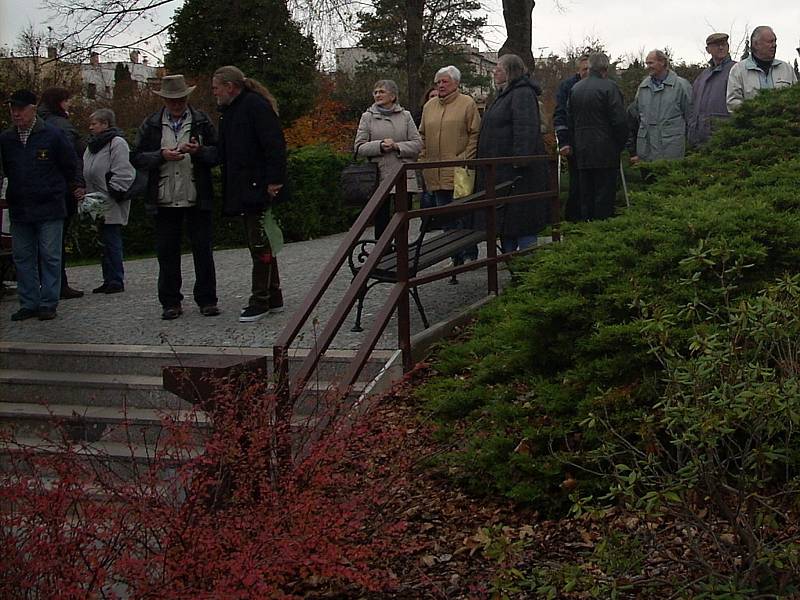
(624, 26)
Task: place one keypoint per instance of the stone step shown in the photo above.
(150, 360)
(80, 423)
(126, 392)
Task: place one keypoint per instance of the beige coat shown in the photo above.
(399, 126)
(449, 131)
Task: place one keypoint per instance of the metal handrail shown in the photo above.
(398, 299)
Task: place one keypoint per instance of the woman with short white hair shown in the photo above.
(107, 169)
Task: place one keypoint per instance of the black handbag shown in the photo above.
(358, 182)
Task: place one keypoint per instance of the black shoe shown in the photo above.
(114, 288)
(23, 314)
(68, 293)
(253, 313)
(100, 289)
(212, 310)
(47, 314)
(171, 313)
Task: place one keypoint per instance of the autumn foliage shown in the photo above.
(227, 522)
(323, 124)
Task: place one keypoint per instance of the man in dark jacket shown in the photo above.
(253, 155)
(177, 145)
(709, 90)
(40, 164)
(572, 211)
(54, 110)
(598, 122)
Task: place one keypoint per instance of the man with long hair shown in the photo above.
(252, 151)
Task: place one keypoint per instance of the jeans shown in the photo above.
(443, 198)
(266, 284)
(512, 244)
(36, 248)
(113, 271)
(169, 230)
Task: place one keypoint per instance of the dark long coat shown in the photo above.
(252, 151)
(511, 127)
(598, 123)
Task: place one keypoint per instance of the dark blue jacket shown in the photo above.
(252, 151)
(39, 173)
(560, 121)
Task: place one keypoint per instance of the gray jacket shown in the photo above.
(746, 79)
(662, 114)
(709, 92)
(113, 158)
(397, 125)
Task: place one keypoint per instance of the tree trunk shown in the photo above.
(416, 87)
(519, 30)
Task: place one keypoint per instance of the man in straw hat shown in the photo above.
(177, 146)
(710, 89)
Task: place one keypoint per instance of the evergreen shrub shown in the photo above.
(315, 209)
(566, 340)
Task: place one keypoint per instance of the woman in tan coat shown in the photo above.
(387, 135)
(449, 129)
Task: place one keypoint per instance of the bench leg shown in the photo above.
(359, 308)
(415, 296)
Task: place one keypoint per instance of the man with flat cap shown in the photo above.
(40, 165)
(709, 90)
(177, 146)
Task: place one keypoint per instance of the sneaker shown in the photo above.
(68, 293)
(114, 288)
(277, 308)
(171, 312)
(23, 314)
(100, 289)
(253, 313)
(47, 314)
(212, 310)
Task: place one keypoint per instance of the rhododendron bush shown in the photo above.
(225, 520)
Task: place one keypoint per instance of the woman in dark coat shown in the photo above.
(511, 127)
(54, 110)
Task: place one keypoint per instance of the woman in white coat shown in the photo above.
(107, 169)
(387, 135)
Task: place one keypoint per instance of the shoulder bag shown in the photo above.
(359, 181)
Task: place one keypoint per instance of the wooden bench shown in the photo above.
(426, 250)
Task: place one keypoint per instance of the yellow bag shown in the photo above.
(463, 182)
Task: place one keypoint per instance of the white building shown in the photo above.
(98, 77)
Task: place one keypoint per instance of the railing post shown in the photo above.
(401, 202)
(491, 230)
(555, 203)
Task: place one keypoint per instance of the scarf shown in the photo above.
(386, 111)
(98, 142)
(764, 65)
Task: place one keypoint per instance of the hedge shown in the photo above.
(565, 340)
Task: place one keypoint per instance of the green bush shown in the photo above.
(565, 340)
(315, 209)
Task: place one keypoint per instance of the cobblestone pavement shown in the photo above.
(134, 317)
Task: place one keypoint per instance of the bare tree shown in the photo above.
(519, 30)
(33, 64)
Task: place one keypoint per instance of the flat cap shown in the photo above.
(716, 38)
(22, 98)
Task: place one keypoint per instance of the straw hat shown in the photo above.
(174, 86)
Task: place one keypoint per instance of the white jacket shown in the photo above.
(746, 79)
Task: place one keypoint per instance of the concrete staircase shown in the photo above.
(110, 401)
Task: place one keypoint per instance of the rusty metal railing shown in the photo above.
(398, 298)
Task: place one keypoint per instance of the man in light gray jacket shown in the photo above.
(662, 105)
(760, 71)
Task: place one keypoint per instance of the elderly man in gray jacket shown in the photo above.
(662, 105)
(760, 71)
(710, 89)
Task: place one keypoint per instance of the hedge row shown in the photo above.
(315, 209)
(566, 340)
